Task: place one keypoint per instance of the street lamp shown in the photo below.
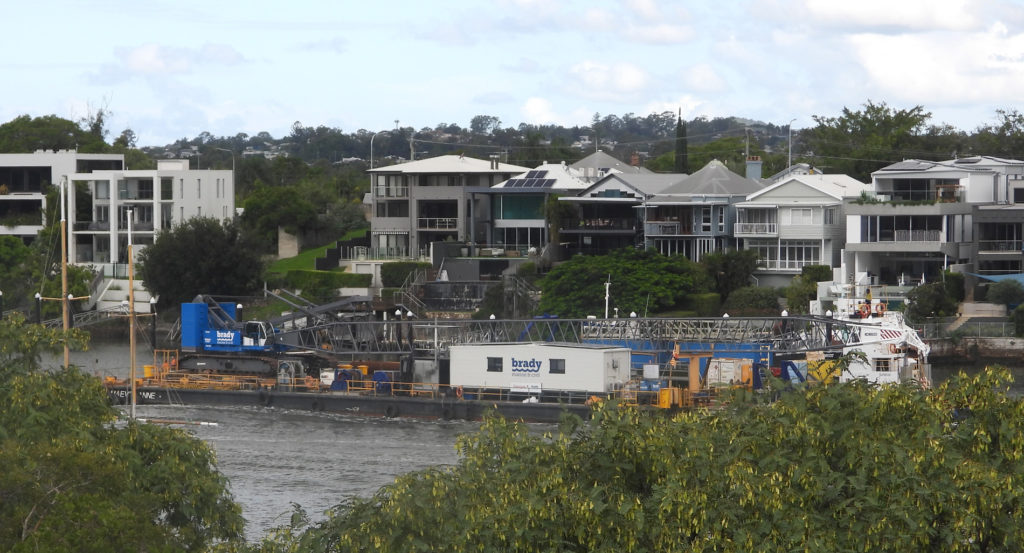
(232, 152)
(371, 145)
(790, 125)
(39, 308)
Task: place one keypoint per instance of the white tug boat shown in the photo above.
(893, 350)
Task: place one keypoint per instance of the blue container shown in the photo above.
(194, 322)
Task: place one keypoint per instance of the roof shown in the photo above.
(546, 177)
(450, 164)
(712, 179)
(835, 186)
(641, 185)
(603, 163)
(974, 163)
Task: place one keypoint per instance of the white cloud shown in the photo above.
(538, 111)
(691, 106)
(660, 34)
(156, 59)
(646, 9)
(945, 67)
(616, 81)
(704, 78)
(905, 14)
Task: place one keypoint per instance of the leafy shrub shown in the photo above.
(1006, 292)
(752, 301)
(392, 275)
(705, 305)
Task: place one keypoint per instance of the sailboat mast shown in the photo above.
(131, 310)
(64, 268)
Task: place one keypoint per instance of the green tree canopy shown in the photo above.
(49, 132)
(641, 281)
(847, 467)
(930, 300)
(1007, 292)
(72, 481)
(804, 287)
(730, 270)
(200, 256)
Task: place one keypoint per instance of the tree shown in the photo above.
(15, 270)
(843, 467)
(200, 256)
(804, 287)
(73, 481)
(752, 301)
(641, 281)
(858, 143)
(27, 134)
(484, 124)
(929, 300)
(1007, 292)
(730, 270)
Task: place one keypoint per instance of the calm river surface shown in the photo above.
(275, 458)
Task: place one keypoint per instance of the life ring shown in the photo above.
(865, 310)
(880, 309)
(391, 411)
(893, 348)
(458, 392)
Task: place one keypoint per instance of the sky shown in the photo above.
(171, 70)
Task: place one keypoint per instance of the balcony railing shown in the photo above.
(756, 228)
(918, 235)
(662, 229)
(608, 223)
(1009, 246)
(786, 264)
(92, 225)
(391, 191)
(438, 223)
(942, 195)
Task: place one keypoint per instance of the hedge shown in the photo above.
(392, 275)
(310, 280)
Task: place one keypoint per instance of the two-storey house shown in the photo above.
(920, 218)
(518, 214)
(432, 200)
(695, 216)
(795, 222)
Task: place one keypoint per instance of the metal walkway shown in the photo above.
(782, 335)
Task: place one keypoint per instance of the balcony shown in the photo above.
(1000, 246)
(918, 236)
(658, 228)
(756, 229)
(391, 191)
(786, 264)
(608, 223)
(437, 223)
(91, 225)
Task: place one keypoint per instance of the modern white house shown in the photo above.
(431, 200)
(796, 222)
(517, 218)
(153, 200)
(25, 180)
(919, 218)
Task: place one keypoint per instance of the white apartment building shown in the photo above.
(157, 200)
(26, 178)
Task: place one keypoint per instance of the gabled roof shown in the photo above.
(599, 164)
(834, 186)
(714, 179)
(449, 164)
(639, 186)
(546, 177)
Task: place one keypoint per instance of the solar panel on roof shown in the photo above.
(547, 183)
(514, 183)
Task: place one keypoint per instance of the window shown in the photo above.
(802, 215)
(494, 364)
(102, 190)
(145, 189)
(225, 216)
(102, 213)
(830, 216)
(181, 215)
(181, 189)
(166, 188)
(199, 188)
(721, 219)
(557, 366)
(705, 219)
(883, 365)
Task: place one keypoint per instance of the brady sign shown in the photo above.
(526, 366)
(222, 337)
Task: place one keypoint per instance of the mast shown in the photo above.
(131, 310)
(64, 269)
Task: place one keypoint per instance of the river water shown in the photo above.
(274, 458)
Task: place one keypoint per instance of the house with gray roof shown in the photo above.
(609, 212)
(695, 216)
(796, 222)
(431, 200)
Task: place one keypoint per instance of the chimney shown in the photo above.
(754, 167)
(634, 159)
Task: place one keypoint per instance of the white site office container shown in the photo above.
(533, 367)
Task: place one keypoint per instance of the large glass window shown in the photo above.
(166, 188)
(102, 190)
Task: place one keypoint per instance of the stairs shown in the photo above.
(114, 291)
